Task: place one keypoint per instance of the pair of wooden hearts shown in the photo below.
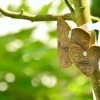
(74, 48)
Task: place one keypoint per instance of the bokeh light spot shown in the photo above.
(26, 57)
(35, 82)
(10, 77)
(13, 46)
(48, 80)
(3, 86)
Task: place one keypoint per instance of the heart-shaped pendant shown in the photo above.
(66, 37)
(86, 61)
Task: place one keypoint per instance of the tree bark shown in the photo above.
(95, 78)
(82, 16)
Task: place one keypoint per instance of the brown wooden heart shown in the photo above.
(78, 36)
(63, 42)
(87, 63)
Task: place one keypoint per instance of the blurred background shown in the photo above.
(29, 67)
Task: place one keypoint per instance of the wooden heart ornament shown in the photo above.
(86, 61)
(66, 37)
(63, 42)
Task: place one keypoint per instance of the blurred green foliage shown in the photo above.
(29, 68)
(95, 8)
(95, 11)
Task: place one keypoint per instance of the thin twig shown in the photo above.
(26, 16)
(69, 6)
(95, 18)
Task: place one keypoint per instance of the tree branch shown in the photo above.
(69, 6)
(95, 18)
(26, 16)
(82, 16)
(95, 78)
